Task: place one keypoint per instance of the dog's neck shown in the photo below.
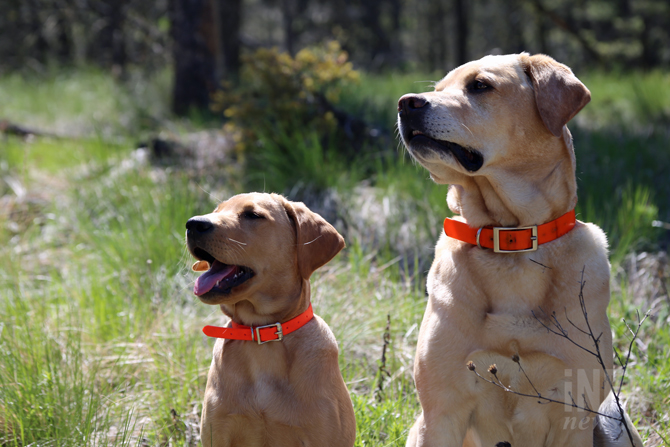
(536, 199)
(270, 309)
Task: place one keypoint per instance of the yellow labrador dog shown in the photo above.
(275, 380)
(511, 267)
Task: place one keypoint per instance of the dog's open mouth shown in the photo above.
(470, 159)
(220, 278)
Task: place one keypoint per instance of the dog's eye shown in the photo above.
(251, 215)
(478, 85)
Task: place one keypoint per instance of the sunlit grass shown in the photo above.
(53, 155)
(116, 306)
(85, 102)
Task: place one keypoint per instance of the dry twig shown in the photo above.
(382, 364)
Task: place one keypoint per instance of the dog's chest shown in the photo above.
(256, 384)
(268, 393)
(490, 297)
(496, 283)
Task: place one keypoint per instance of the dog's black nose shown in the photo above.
(199, 225)
(409, 103)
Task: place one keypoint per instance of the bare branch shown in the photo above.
(502, 386)
(518, 362)
(539, 263)
(382, 364)
(561, 332)
(624, 366)
(573, 324)
(599, 357)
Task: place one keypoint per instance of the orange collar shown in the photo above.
(260, 334)
(511, 239)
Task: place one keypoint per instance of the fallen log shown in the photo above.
(9, 128)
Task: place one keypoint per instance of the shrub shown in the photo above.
(283, 95)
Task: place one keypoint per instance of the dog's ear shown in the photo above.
(558, 93)
(318, 242)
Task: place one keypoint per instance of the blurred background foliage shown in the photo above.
(204, 40)
(429, 34)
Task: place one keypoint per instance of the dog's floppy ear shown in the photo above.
(318, 242)
(558, 93)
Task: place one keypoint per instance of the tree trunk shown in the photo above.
(111, 37)
(542, 34)
(395, 43)
(231, 19)
(40, 48)
(288, 15)
(379, 43)
(194, 68)
(648, 54)
(117, 17)
(432, 34)
(515, 41)
(462, 31)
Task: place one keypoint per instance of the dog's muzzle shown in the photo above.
(412, 111)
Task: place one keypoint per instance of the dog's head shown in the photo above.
(501, 118)
(259, 248)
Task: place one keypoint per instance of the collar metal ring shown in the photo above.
(479, 232)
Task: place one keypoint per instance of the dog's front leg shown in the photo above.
(210, 437)
(439, 431)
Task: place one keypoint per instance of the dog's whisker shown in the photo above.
(462, 124)
(235, 252)
(400, 147)
(237, 242)
(431, 84)
(210, 194)
(187, 287)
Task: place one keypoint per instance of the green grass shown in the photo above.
(375, 97)
(100, 337)
(119, 329)
(623, 187)
(85, 102)
(53, 155)
(306, 161)
(628, 100)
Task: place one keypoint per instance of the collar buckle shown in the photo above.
(496, 238)
(279, 333)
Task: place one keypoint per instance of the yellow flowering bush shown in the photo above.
(280, 94)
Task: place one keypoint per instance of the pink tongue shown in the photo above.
(208, 280)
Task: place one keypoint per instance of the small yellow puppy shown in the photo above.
(275, 380)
